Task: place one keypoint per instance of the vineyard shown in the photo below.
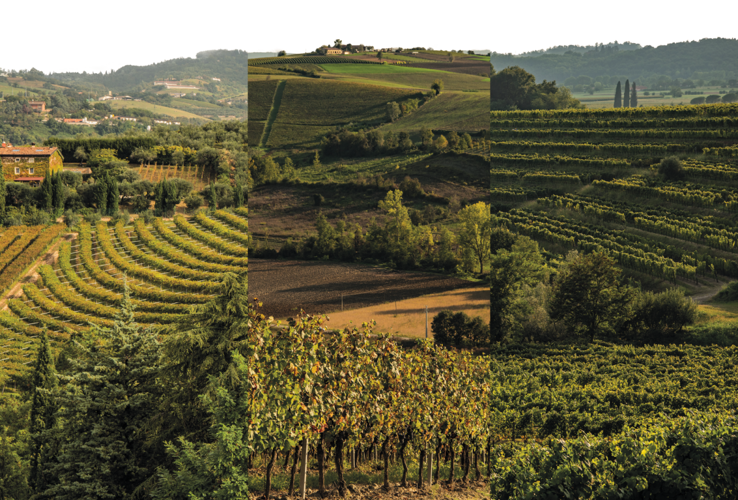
(606, 192)
(168, 266)
(192, 173)
(310, 60)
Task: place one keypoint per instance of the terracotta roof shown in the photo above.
(28, 151)
(28, 179)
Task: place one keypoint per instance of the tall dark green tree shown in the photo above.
(47, 190)
(159, 205)
(634, 97)
(626, 94)
(106, 402)
(43, 416)
(212, 198)
(588, 297)
(113, 197)
(201, 345)
(618, 97)
(3, 194)
(238, 195)
(171, 196)
(58, 188)
(101, 194)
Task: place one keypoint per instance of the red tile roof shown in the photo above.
(28, 179)
(28, 151)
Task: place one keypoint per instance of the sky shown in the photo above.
(91, 36)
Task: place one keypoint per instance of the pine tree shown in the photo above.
(106, 404)
(618, 99)
(113, 197)
(634, 97)
(626, 94)
(47, 191)
(202, 343)
(101, 193)
(43, 415)
(58, 186)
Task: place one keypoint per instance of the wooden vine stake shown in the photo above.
(303, 469)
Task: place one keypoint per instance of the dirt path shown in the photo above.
(707, 294)
(31, 275)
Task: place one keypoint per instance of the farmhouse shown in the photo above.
(39, 106)
(80, 121)
(29, 164)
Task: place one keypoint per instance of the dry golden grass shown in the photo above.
(406, 318)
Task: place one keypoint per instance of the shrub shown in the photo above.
(671, 168)
(411, 188)
(140, 203)
(194, 201)
(148, 216)
(457, 329)
(93, 218)
(318, 199)
(71, 219)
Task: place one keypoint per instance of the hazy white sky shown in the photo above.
(92, 36)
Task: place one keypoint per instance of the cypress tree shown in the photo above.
(47, 190)
(58, 185)
(159, 201)
(3, 194)
(626, 94)
(113, 197)
(43, 415)
(101, 193)
(238, 195)
(618, 99)
(634, 97)
(212, 198)
(107, 402)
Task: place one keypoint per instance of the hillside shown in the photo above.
(706, 59)
(590, 180)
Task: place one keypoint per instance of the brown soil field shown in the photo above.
(473, 490)
(289, 210)
(406, 318)
(286, 286)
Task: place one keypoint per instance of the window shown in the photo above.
(31, 170)
(17, 170)
(32, 160)
(17, 160)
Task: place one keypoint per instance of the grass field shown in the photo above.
(605, 98)
(372, 69)
(465, 111)
(407, 318)
(121, 106)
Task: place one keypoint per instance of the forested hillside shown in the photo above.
(707, 59)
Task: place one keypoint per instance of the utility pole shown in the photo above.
(303, 469)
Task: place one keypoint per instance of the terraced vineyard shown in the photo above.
(594, 174)
(193, 173)
(167, 265)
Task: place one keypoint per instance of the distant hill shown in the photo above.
(581, 49)
(708, 59)
(228, 65)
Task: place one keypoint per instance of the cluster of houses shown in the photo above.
(175, 84)
(344, 49)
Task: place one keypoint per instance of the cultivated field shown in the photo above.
(594, 178)
(407, 318)
(168, 266)
(286, 286)
(121, 106)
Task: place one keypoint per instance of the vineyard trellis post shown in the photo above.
(303, 469)
(426, 322)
